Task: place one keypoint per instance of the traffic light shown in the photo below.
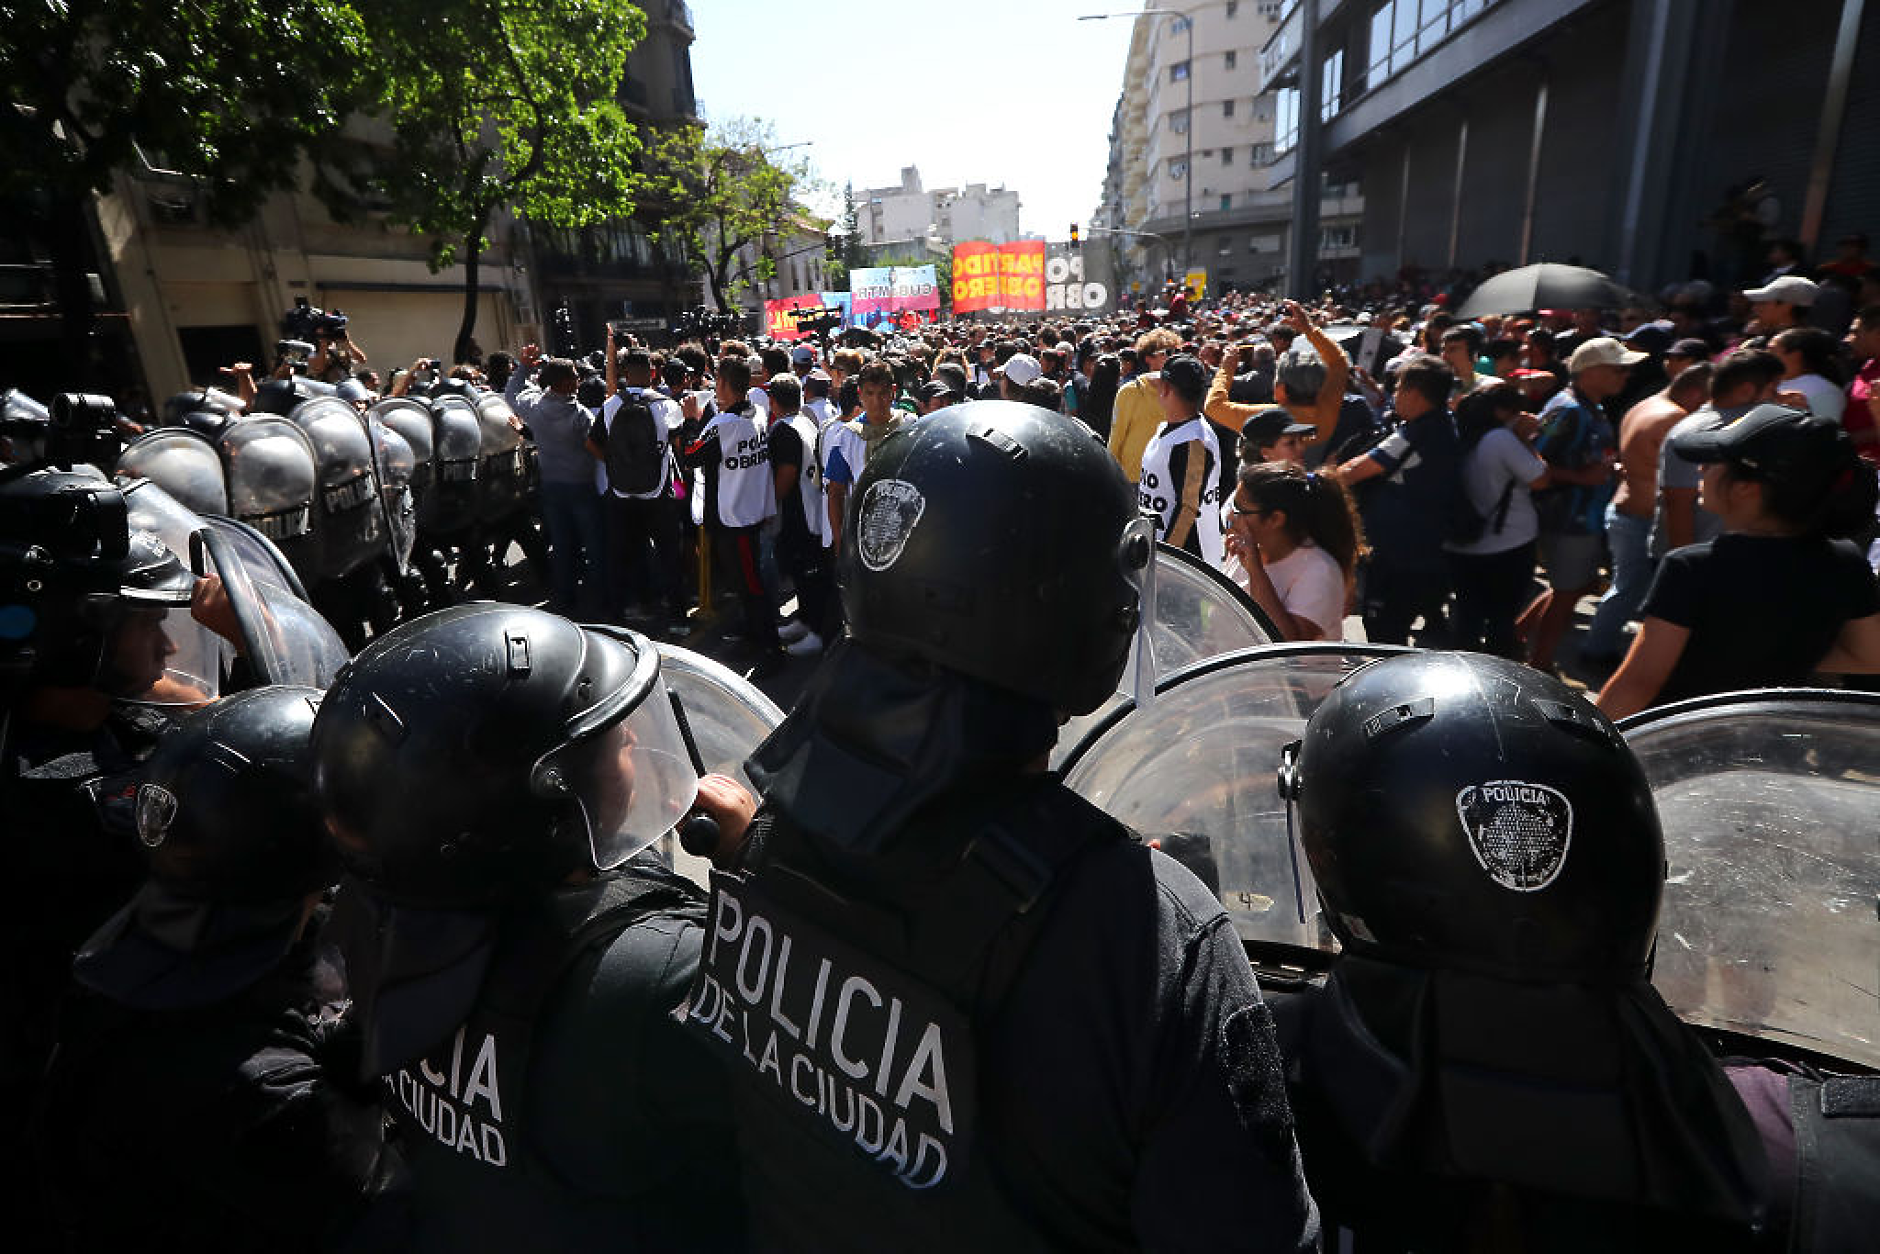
(1073, 235)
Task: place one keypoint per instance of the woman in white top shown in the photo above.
(1809, 370)
(1493, 574)
(1293, 542)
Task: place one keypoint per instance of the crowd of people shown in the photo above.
(1469, 485)
(932, 997)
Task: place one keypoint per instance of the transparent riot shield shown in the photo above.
(347, 513)
(1197, 770)
(183, 463)
(396, 465)
(287, 641)
(411, 419)
(1770, 802)
(271, 478)
(502, 472)
(1198, 613)
(728, 717)
(451, 505)
(193, 659)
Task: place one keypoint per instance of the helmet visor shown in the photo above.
(632, 780)
(160, 655)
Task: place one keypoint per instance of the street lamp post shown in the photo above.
(1188, 156)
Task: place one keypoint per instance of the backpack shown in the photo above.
(636, 446)
(1466, 525)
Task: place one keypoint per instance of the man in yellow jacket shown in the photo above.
(1138, 409)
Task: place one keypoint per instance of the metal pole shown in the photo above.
(1828, 133)
(1188, 179)
(1534, 171)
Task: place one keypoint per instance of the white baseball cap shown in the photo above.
(1602, 350)
(1021, 369)
(1791, 289)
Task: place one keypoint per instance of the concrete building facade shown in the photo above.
(910, 212)
(1609, 132)
(178, 298)
(1194, 88)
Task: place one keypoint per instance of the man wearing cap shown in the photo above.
(1578, 444)
(802, 360)
(1180, 477)
(1783, 303)
(1019, 372)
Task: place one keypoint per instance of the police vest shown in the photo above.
(1162, 491)
(850, 1024)
(463, 1110)
(809, 485)
(746, 493)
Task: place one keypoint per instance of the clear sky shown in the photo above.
(1003, 92)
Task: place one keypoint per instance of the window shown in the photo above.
(1178, 72)
(1227, 108)
(1331, 85)
(1227, 202)
(1177, 168)
(1286, 121)
(1227, 244)
(1178, 121)
(1271, 8)
(1232, 57)
(1332, 237)
(1232, 8)
(1227, 156)
(1260, 154)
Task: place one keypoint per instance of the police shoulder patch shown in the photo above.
(1519, 832)
(889, 511)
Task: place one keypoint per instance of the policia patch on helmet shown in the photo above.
(890, 509)
(866, 1054)
(1518, 831)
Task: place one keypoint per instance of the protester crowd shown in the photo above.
(539, 1035)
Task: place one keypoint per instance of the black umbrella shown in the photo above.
(1546, 285)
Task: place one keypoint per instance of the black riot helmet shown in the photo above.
(1462, 811)
(999, 540)
(225, 805)
(283, 396)
(487, 750)
(72, 572)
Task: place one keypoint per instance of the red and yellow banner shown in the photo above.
(998, 276)
(778, 323)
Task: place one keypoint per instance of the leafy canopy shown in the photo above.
(229, 92)
(496, 102)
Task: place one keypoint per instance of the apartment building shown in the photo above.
(1622, 134)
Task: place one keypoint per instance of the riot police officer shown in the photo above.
(192, 1084)
(1488, 1065)
(491, 775)
(97, 631)
(961, 1007)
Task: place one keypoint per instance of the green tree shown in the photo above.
(503, 103)
(231, 94)
(714, 192)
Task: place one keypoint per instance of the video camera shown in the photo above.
(80, 427)
(817, 320)
(309, 322)
(701, 322)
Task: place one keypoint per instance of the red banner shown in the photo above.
(975, 276)
(998, 276)
(778, 324)
(1021, 275)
